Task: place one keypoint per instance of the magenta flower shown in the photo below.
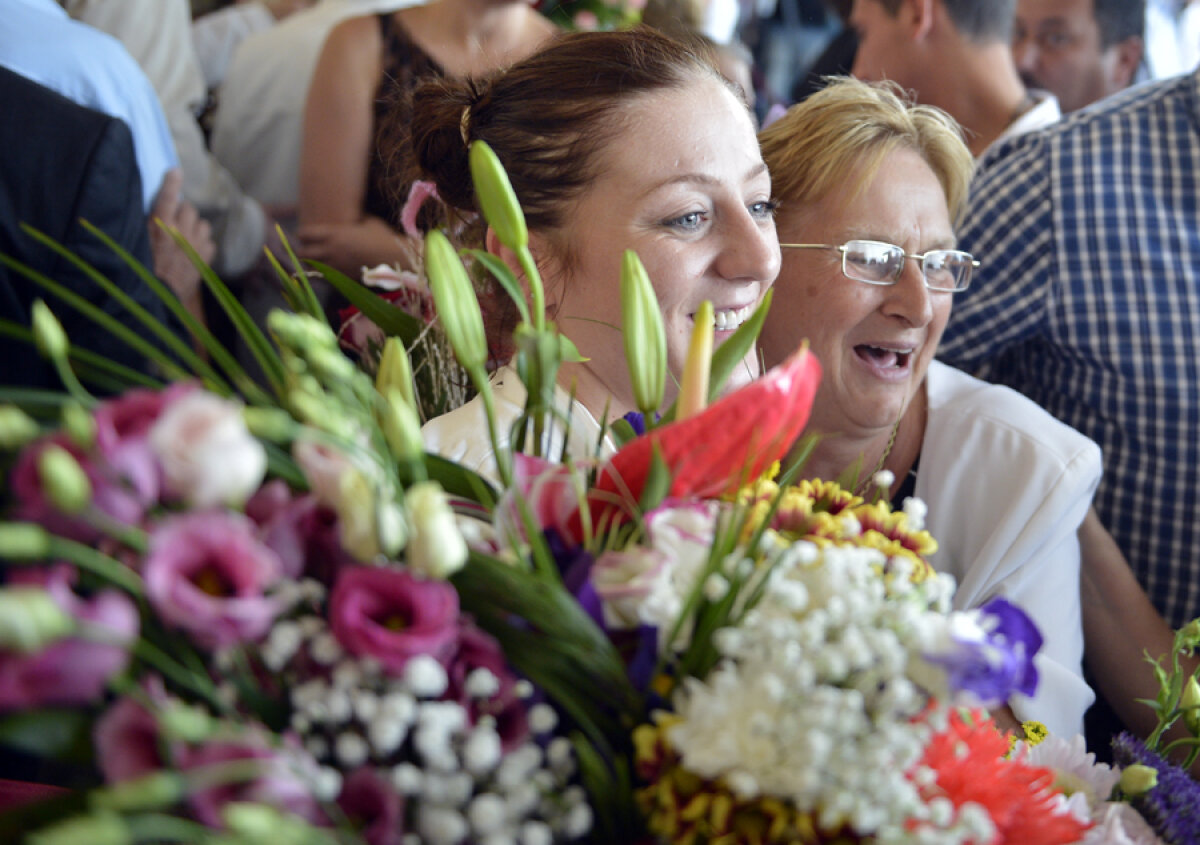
(392, 616)
(283, 782)
(376, 807)
(111, 495)
(126, 737)
(122, 436)
(300, 530)
(207, 573)
(479, 650)
(76, 669)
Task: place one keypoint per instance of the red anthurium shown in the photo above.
(713, 453)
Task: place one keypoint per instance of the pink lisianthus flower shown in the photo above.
(127, 737)
(77, 668)
(123, 428)
(550, 491)
(286, 781)
(300, 530)
(623, 580)
(372, 802)
(208, 456)
(208, 574)
(111, 495)
(393, 616)
(479, 650)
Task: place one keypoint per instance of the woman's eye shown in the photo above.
(763, 208)
(689, 221)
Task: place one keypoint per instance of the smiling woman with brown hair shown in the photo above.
(868, 185)
(612, 141)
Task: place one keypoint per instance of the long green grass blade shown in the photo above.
(97, 315)
(169, 339)
(394, 321)
(502, 274)
(256, 339)
(119, 374)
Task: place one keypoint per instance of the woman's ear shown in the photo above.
(543, 257)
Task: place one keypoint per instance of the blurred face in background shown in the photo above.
(1057, 47)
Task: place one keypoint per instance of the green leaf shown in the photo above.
(303, 300)
(568, 352)
(49, 733)
(505, 276)
(392, 320)
(658, 482)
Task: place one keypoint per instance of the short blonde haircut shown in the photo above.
(837, 139)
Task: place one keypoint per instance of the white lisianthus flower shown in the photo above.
(623, 581)
(436, 547)
(208, 456)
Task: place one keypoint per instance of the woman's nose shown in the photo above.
(909, 298)
(750, 251)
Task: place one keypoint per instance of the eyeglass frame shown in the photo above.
(842, 248)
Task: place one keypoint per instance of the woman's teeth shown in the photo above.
(886, 357)
(729, 319)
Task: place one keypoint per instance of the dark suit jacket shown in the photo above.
(60, 162)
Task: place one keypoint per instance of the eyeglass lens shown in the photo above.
(882, 263)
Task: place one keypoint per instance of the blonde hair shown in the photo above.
(837, 138)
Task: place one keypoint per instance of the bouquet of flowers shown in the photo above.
(268, 615)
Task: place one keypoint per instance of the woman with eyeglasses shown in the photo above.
(867, 186)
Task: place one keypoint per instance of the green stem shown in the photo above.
(159, 827)
(71, 382)
(489, 407)
(98, 563)
(149, 653)
(536, 290)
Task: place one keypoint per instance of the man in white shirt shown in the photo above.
(956, 55)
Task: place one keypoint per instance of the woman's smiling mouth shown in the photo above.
(884, 358)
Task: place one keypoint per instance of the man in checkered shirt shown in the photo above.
(1088, 301)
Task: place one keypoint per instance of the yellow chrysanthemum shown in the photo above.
(684, 809)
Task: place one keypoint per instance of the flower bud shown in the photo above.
(157, 790)
(185, 722)
(1190, 704)
(48, 333)
(30, 619)
(16, 427)
(301, 331)
(274, 425)
(393, 529)
(497, 200)
(1189, 634)
(395, 371)
(63, 479)
(693, 393)
(331, 365)
(1138, 780)
(356, 516)
(457, 305)
(79, 425)
(436, 548)
(401, 427)
(645, 338)
(102, 828)
(23, 541)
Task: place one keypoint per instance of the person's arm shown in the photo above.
(1120, 627)
(338, 134)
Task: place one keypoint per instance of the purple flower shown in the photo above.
(994, 659)
(376, 808)
(111, 495)
(479, 650)
(207, 574)
(1172, 807)
(127, 737)
(73, 670)
(122, 436)
(283, 782)
(300, 530)
(392, 616)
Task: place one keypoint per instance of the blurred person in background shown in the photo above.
(1079, 50)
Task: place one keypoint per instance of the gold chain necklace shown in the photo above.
(865, 487)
